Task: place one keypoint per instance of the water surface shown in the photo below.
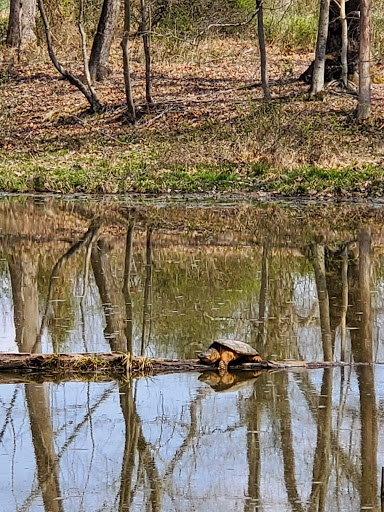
(165, 279)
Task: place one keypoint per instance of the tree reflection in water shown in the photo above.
(166, 282)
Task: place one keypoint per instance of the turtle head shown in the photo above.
(210, 356)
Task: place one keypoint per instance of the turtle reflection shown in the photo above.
(230, 381)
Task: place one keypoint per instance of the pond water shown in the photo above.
(303, 282)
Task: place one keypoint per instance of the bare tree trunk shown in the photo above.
(321, 45)
(87, 74)
(333, 51)
(72, 79)
(344, 44)
(263, 53)
(364, 106)
(127, 73)
(147, 50)
(21, 24)
(98, 62)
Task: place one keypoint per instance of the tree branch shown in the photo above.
(72, 79)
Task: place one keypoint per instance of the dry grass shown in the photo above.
(204, 118)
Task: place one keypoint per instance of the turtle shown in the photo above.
(226, 351)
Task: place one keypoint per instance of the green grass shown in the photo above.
(291, 31)
(146, 177)
(368, 180)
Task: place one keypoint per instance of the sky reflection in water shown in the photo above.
(165, 280)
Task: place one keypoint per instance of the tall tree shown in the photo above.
(145, 31)
(21, 24)
(127, 72)
(364, 107)
(263, 53)
(344, 44)
(86, 90)
(334, 41)
(98, 62)
(321, 45)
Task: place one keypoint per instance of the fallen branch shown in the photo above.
(125, 364)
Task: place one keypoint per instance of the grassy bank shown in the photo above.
(143, 178)
(209, 130)
(127, 175)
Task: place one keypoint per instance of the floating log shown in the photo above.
(126, 365)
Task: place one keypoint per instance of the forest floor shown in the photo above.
(209, 130)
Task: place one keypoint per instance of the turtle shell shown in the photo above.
(239, 347)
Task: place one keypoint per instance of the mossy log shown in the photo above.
(124, 364)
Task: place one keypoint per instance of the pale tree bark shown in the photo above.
(334, 47)
(364, 106)
(145, 31)
(98, 62)
(21, 24)
(127, 73)
(344, 44)
(321, 45)
(83, 36)
(263, 53)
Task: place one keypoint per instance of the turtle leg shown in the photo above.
(225, 358)
(257, 359)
